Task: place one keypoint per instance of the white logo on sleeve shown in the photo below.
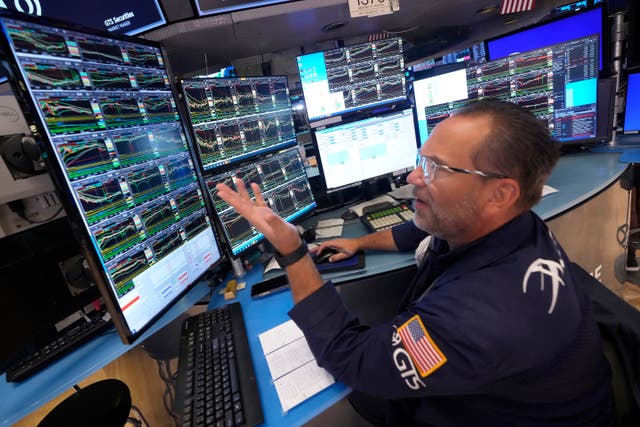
(546, 268)
(404, 364)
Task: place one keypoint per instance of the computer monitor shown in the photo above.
(352, 78)
(119, 157)
(632, 103)
(437, 88)
(285, 187)
(115, 16)
(235, 119)
(356, 152)
(42, 286)
(564, 28)
(557, 83)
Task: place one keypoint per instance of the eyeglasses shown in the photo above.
(430, 167)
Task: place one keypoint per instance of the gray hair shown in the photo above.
(518, 146)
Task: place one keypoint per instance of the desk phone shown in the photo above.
(381, 216)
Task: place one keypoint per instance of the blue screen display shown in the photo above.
(573, 27)
(632, 109)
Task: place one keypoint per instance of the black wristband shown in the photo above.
(286, 261)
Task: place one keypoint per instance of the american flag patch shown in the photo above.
(513, 6)
(423, 351)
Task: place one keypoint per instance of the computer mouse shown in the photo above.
(348, 214)
(325, 255)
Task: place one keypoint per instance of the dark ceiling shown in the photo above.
(279, 32)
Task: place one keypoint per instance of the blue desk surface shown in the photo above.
(577, 177)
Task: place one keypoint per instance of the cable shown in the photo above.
(168, 396)
(138, 412)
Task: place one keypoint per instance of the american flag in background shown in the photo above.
(423, 351)
(513, 6)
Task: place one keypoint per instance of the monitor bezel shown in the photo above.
(99, 278)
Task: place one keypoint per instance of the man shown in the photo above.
(492, 330)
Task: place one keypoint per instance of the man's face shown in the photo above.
(448, 207)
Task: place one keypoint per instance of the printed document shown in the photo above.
(294, 370)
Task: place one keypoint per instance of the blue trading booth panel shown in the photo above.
(578, 177)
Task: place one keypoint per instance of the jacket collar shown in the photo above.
(489, 248)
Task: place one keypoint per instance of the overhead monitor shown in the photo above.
(118, 154)
(356, 152)
(437, 89)
(285, 187)
(561, 29)
(557, 83)
(213, 7)
(632, 103)
(115, 16)
(352, 78)
(235, 119)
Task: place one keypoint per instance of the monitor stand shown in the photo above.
(372, 189)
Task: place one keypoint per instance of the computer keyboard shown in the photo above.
(385, 215)
(216, 381)
(69, 338)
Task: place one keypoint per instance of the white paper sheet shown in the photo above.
(547, 189)
(295, 373)
(329, 228)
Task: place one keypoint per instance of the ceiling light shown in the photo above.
(400, 30)
(487, 9)
(333, 26)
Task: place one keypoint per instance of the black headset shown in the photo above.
(20, 152)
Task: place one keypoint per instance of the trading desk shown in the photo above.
(577, 178)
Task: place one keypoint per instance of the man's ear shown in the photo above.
(505, 193)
